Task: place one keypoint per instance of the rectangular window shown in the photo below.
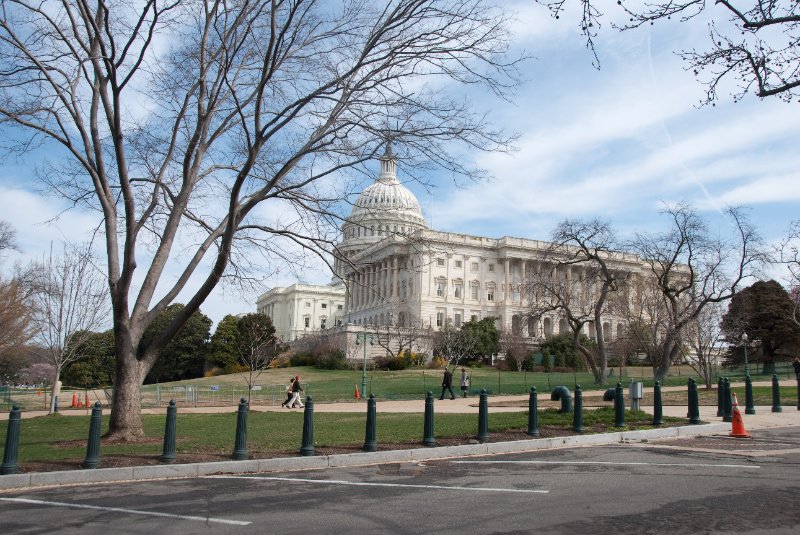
(459, 263)
(490, 294)
(440, 261)
(440, 289)
(439, 319)
(457, 291)
(473, 266)
(491, 267)
(322, 324)
(308, 305)
(457, 320)
(474, 293)
(339, 307)
(307, 322)
(324, 305)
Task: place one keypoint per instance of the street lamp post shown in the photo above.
(744, 345)
(363, 337)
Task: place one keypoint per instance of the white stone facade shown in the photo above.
(302, 309)
(395, 271)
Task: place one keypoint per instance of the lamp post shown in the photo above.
(363, 337)
(744, 345)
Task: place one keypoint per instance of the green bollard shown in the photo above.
(619, 407)
(577, 415)
(694, 403)
(240, 445)
(428, 438)
(11, 453)
(727, 415)
(749, 406)
(533, 413)
(658, 410)
(307, 448)
(93, 447)
(370, 443)
(776, 394)
(483, 417)
(720, 397)
(168, 455)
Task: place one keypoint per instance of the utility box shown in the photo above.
(635, 394)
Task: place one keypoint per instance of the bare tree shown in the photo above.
(704, 336)
(212, 136)
(16, 327)
(514, 347)
(693, 268)
(70, 300)
(256, 345)
(399, 337)
(753, 44)
(453, 344)
(788, 254)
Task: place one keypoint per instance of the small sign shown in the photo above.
(214, 388)
(178, 389)
(256, 387)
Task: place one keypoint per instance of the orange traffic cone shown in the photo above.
(737, 428)
(74, 400)
(358, 396)
(39, 393)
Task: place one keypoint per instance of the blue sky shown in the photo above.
(615, 143)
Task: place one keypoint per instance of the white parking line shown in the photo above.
(614, 463)
(370, 484)
(127, 511)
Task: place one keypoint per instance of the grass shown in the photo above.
(62, 440)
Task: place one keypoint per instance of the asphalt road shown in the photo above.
(702, 485)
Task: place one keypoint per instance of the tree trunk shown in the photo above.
(126, 414)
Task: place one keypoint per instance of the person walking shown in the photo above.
(796, 366)
(464, 382)
(288, 392)
(296, 389)
(447, 383)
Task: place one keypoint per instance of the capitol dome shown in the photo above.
(384, 208)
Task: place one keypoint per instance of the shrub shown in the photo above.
(302, 359)
(332, 361)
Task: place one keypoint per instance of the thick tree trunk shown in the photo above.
(126, 415)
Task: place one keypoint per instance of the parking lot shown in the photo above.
(700, 485)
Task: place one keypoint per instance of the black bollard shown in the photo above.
(619, 407)
(577, 416)
(658, 410)
(776, 394)
(749, 407)
(11, 453)
(307, 448)
(727, 414)
(370, 443)
(483, 417)
(533, 412)
(428, 438)
(168, 455)
(563, 394)
(798, 391)
(694, 403)
(93, 447)
(240, 445)
(720, 397)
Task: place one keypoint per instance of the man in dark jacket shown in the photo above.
(447, 383)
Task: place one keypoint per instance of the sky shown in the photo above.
(615, 143)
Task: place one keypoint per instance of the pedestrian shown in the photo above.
(796, 366)
(464, 382)
(288, 392)
(447, 383)
(296, 389)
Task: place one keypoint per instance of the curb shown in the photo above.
(151, 472)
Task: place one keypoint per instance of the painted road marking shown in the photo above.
(370, 484)
(614, 463)
(127, 511)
